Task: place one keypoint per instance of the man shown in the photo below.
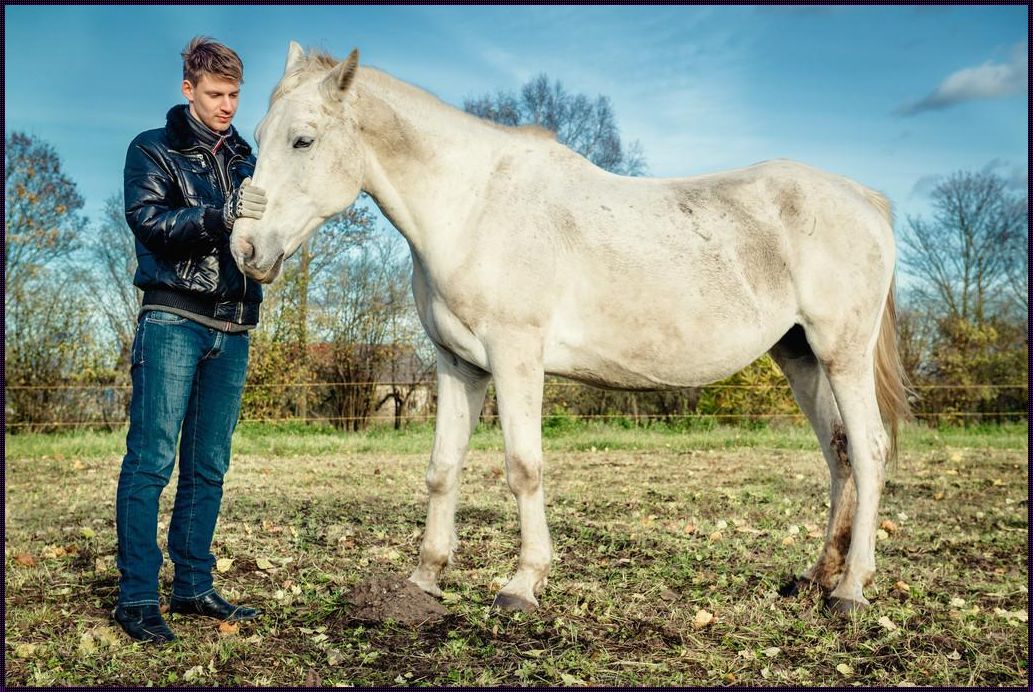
(185, 184)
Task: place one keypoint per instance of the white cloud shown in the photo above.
(987, 81)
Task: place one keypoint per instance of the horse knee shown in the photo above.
(442, 476)
(524, 473)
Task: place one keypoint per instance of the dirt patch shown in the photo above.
(394, 598)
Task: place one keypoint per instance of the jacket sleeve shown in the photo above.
(169, 231)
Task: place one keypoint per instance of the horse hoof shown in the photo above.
(844, 606)
(795, 586)
(507, 601)
(431, 588)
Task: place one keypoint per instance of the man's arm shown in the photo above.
(174, 232)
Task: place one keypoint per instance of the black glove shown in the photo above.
(247, 201)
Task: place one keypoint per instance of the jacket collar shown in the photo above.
(183, 134)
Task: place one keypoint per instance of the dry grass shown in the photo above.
(621, 603)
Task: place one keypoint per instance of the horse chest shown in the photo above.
(446, 319)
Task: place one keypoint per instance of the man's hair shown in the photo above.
(204, 55)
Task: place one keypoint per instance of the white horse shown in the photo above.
(529, 260)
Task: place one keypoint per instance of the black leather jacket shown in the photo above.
(175, 187)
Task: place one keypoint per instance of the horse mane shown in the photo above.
(317, 60)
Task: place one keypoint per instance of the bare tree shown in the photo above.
(586, 125)
(963, 259)
(112, 251)
(41, 209)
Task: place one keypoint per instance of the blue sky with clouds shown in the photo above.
(892, 96)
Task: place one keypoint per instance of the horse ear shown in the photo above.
(295, 53)
(341, 77)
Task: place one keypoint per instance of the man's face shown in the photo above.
(213, 100)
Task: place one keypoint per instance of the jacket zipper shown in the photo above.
(223, 177)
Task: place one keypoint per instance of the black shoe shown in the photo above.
(143, 623)
(212, 605)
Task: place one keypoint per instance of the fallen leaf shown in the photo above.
(703, 618)
(881, 535)
(772, 651)
(53, 551)
(25, 560)
(845, 670)
(721, 525)
(788, 540)
(716, 536)
(887, 624)
(86, 644)
(958, 602)
(223, 564)
(888, 525)
(902, 587)
(794, 530)
(1020, 615)
(730, 678)
(263, 563)
(24, 650)
(954, 656)
(193, 673)
(571, 681)
(108, 636)
(228, 628)
(938, 496)
(87, 532)
(690, 528)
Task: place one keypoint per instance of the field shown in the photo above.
(670, 551)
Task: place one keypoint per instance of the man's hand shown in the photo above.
(246, 201)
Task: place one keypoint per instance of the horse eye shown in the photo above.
(302, 142)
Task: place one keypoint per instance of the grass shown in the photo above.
(329, 511)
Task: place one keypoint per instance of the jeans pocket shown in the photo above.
(136, 355)
(162, 317)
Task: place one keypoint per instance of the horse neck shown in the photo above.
(423, 157)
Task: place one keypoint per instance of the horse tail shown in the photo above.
(891, 382)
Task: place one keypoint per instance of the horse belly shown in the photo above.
(677, 334)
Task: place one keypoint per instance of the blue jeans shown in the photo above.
(188, 377)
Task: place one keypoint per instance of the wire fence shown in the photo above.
(108, 406)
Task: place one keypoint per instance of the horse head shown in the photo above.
(310, 160)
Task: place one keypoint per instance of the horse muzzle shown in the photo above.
(244, 254)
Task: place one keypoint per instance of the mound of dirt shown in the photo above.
(394, 598)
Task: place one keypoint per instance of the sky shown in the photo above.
(894, 97)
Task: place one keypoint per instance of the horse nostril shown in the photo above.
(247, 250)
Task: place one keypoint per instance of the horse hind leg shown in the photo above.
(813, 393)
(846, 352)
(867, 447)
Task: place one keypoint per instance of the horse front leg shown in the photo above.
(461, 390)
(519, 381)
